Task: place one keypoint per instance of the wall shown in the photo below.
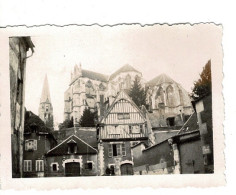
(115, 160)
(44, 144)
(17, 54)
(191, 158)
(82, 159)
(157, 159)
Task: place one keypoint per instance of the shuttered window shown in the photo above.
(30, 145)
(116, 150)
(27, 165)
(39, 165)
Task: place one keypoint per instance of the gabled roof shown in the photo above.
(62, 148)
(162, 78)
(125, 68)
(122, 95)
(94, 75)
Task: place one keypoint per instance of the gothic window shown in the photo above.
(128, 81)
(170, 95)
(89, 89)
(102, 87)
(159, 98)
(181, 97)
(46, 108)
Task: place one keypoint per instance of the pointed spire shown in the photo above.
(45, 97)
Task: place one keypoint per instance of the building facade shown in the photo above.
(72, 157)
(37, 141)
(45, 105)
(88, 89)
(122, 126)
(18, 47)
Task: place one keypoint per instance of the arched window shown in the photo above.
(89, 88)
(128, 81)
(159, 98)
(170, 95)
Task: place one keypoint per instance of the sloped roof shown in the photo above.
(122, 95)
(62, 148)
(125, 68)
(88, 135)
(45, 96)
(94, 75)
(33, 120)
(162, 78)
(190, 125)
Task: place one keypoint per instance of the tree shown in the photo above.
(88, 119)
(138, 93)
(202, 86)
(68, 123)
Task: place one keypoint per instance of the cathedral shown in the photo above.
(167, 100)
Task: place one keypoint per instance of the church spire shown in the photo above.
(45, 97)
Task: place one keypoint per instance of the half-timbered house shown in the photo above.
(122, 126)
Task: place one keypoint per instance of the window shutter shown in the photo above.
(36, 165)
(26, 145)
(123, 150)
(118, 148)
(25, 165)
(110, 153)
(35, 145)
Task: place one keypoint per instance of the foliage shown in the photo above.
(33, 120)
(138, 93)
(68, 123)
(88, 119)
(202, 86)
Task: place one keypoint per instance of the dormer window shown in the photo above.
(72, 147)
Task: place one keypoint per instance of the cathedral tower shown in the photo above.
(45, 106)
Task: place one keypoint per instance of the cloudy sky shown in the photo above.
(180, 51)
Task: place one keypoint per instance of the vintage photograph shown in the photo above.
(114, 101)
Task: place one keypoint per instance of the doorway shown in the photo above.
(72, 169)
(126, 169)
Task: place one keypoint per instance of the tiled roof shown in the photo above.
(94, 75)
(162, 78)
(82, 147)
(125, 68)
(89, 135)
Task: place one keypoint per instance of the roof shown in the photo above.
(162, 78)
(32, 120)
(190, 125)
(122, 95)
(45, 96)
(94, 75)
(89, 135)
(125, 68)
(62, 148)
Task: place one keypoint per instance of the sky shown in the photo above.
(180, 51)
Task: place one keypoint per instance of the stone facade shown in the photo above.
(95, 91)
(18, 47)
(45, 105)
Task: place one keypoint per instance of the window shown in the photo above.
(72, 148)
(171, 121)
(89, 165)
(39, 165)
(46, 108)
(27, 165)
(122, 116)
(135, 129)
(141, 128)
(30, 145)
(116, 150)
(54, 166)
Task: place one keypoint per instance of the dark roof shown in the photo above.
(162, 78)
(62, 148)
(190, 125)
(33, 121)
(94, 75)
(125, 68)
(89, 135)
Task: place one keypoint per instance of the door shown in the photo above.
(72, 169)
(126, 169)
